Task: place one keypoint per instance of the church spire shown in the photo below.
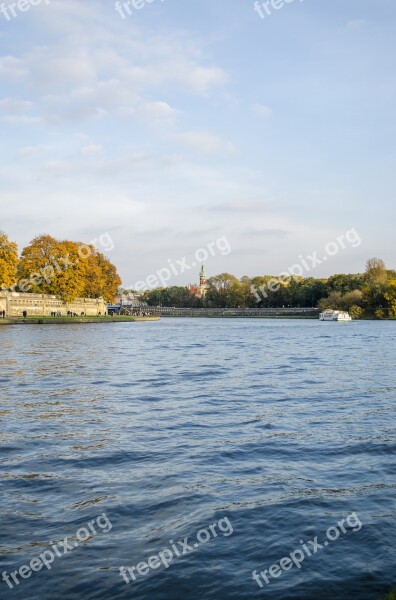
(202, 281)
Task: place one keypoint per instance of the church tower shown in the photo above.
(202, 277)
(202, 281)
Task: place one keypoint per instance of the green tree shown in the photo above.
(337, 301)
(374, 297)
(225, 290)
(174, 296)
(354, 298)
(356, 312)
(333, 301)
(390, 297)
(375, 273)
(311, 292)
(345, 283)
(260, 292)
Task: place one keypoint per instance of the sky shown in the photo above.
(187, 122)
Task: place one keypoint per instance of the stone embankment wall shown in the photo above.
(231, 312)
(42, 305)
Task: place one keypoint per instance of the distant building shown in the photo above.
(200, 290)
(128, 298)
(126, 303)
(15, 303)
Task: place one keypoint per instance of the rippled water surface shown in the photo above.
(279, 427)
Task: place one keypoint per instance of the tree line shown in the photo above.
(71, 269)
(63, 268)
(368, 294)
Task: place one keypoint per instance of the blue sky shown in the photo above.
(190, 120)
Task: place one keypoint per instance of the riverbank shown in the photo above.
(269, 313)
(74, 320)
(245, 313)
(227, 316)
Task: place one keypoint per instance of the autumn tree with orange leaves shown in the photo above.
(8, 261)
(67, 269)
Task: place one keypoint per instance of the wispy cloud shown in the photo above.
(205, 142)
(356, 24)
(92, 149)
(13, 106)
(22, 120)
(262, 110)
(110, 71)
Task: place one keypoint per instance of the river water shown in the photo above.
(249, 438)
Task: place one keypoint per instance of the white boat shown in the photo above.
(335, 315)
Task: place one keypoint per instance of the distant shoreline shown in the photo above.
(274, 317)
(239, 317)
(133, 319)
(245, 313)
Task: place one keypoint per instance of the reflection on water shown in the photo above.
(283, 426)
